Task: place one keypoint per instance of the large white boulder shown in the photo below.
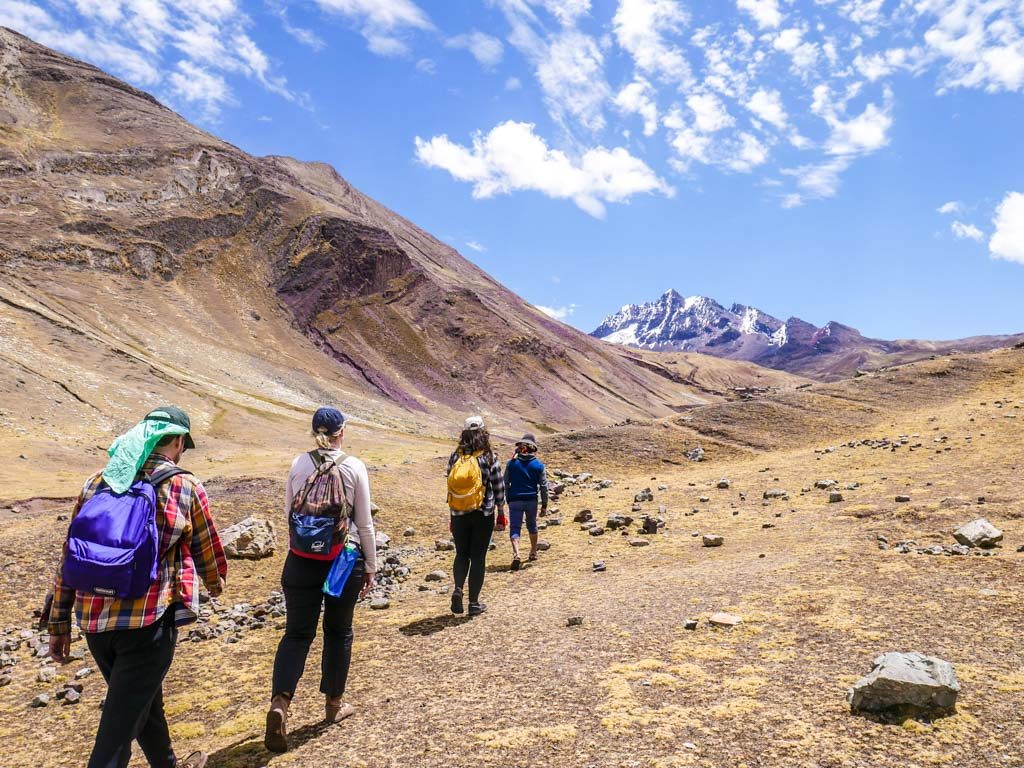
(905, 679)
(251, 539)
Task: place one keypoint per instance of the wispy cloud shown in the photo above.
(558, 313)
(964, 231)
(475, 246)
(486, 49)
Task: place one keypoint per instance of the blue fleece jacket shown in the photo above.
(524, 477)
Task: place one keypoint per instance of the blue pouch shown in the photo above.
(341, 569)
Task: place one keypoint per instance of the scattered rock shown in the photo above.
(5, 679)
(599, 566)
(583, 516)
(824, 485)
(436, 576)
(596, 531)
(722, 619)
(712, 540)
(704, 499)
(543, 546)
(902, 499)
(637, 542)
(251, 539)
(444, 545)
(618, 521)
(46, 675)
(71, 696)
(409, 532)
(775, 493)
(696, 454)
(650, 525)
(40, 701)
(690, 624)
(978, 533)
(380, 603)
(644, 495)
(905, 679)
(834, 497)
(723, 483)
(574, 621)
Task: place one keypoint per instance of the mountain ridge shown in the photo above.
(674, 322)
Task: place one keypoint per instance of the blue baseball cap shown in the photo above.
(328, 420)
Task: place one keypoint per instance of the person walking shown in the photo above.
(525, 477)
(476, 489)
(327, 492)
(130, 607)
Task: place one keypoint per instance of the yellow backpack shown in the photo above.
(466, 483)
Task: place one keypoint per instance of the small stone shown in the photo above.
(380, 603)
(583, 516)
(599, 566)
(83, 673)
(40, 701)
(722, 619)
(775, 493)
(712, 540)
(902, 499)
(543, 546)
(650, 525)
(46, 675)
(5, 679)
(409, 532)
(250, 539)
(690, 624)
(435, 576)
(443, 545)
(637, 542)
(574, 621)
(71, 696)
(704, 499)
(597, 531)
(834, 497)
(723, 483)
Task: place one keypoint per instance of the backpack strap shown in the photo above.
(316, 458)
(166, 474)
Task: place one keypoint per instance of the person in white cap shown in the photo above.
(476, 490)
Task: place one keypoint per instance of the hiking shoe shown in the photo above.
(475, 609)
(457, 602)
(516, 563)
(335, 712)
(276, 737)
(195, 760)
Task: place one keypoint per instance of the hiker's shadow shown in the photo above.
(250, 752)
(433, 624)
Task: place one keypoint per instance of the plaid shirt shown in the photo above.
(190, 550)
(494, 482)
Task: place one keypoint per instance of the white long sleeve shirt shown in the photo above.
(356, 484)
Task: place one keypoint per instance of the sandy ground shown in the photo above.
(630, 686)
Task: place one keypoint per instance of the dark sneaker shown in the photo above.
(195, 760)
(516, 563)
(475, 609)
(457, 602)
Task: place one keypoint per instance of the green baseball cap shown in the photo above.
(172, 414)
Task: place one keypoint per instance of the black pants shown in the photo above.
(471, 533)
(134, 663)
(302, 582)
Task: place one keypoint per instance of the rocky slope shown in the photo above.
(142, 258)
(699, 324)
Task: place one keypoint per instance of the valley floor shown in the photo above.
(630, 687)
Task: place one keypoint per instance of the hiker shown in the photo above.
(476, 488)
(130, 608)
(524, 477)
(326, 493)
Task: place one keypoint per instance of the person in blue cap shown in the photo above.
(305, 572)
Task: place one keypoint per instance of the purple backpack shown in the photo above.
(112, 541)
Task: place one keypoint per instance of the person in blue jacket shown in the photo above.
(525, 477)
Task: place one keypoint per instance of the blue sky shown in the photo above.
(850, 160)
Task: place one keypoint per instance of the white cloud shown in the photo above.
(571, 73)
(748, 154)
(638, 98)
(513, 157)
(767, 105)
(966, 231)
(765, 12)
(197, 85)
(558, 313)
(709, 113)
(820, 180)
(642, 28)
(567, 11)
(382, 22)
(1008, 239)
(486, 49)
(475, 246)
(980, 42)
(513, 84)
(426, 66)
(951, 207)
(792, 200)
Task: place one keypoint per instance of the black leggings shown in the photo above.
(471, 533)
(303, 581)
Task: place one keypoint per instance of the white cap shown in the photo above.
(474, 423)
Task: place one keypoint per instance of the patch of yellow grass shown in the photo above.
(1011, 683)
(684, 649)
(177, 705)
(778, 656)
(746, 685)
(217, 704)
(735, 707)
(637, 669)
(516, 738)
(688, 671)
(251, 721)
(187, 730)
